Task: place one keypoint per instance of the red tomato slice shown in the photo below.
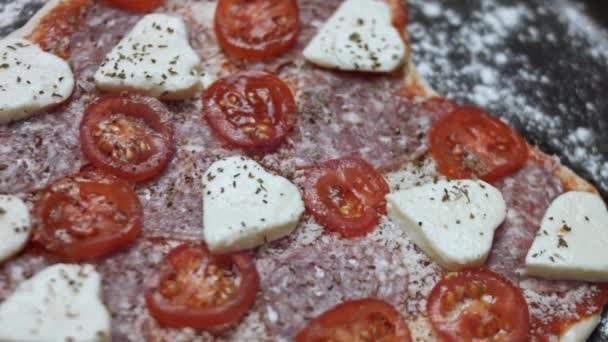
(478, 304)
(199, 290)
(469, 143)
(346, 196)
(85, 216)
(357, 320)
(257, 29)
(128, 136)
(53, 31)
(135, 5)
(252, 109)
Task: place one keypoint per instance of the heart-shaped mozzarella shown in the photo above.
(14, 226)
(359, 36)
(572, 241)
(60, 303)
(154, 58)
(451, 221)
(245, 205)
(31, 80)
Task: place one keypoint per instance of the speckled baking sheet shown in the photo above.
(541, 65)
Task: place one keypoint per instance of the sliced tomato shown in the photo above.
(199, 290)
(357, 320)
(346, 196)
(470, 143)
(53, 30)
(478, 304)
(86, 215)
(128, 136)
(257, 29)
(135, 5)
(252, 109)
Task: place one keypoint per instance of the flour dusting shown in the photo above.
(16, 11)
(487, 54)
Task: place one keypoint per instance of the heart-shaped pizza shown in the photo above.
(273, 170)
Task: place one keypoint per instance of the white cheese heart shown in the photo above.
(60, 303)
(14, 226)
(244, 205)
(359, 36)
(154, 58)
(572, 241)
(451, 221)
(31, 80)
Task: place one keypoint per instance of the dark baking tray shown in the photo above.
(577, 91)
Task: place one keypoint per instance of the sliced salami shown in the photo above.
(301, 283)
(554, 305)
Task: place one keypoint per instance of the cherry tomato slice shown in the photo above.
(357, 320)
(53, 31)
(86, 215)
(135, 5)
(469, 143)
(257, 29)
(199, 290)
(346, 196)
(478, 304)
(128, 136)
(253, 110)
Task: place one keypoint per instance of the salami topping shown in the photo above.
(354, 115)
(554, 305)
(304, 282)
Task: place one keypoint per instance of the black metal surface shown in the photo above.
(568, 52)
(577, 79)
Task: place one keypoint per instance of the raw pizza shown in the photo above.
(272, 170)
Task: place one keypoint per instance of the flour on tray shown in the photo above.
(483, 57)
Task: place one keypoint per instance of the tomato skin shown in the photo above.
(237, 113)
(508, 313)
(258, 29)
(148, 115)
(135, 5)
(182, 316)
(52, 32)
(469, 143)
(353, 314)
(93, 240)
(346, 196)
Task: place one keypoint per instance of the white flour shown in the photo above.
(12, 11)
(469, 56)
